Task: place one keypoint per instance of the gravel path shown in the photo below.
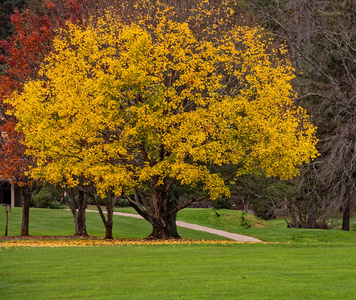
(229, 235)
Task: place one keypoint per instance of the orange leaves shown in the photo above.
(49, 4)
(55, 243)
(24, 52)
(30, 42)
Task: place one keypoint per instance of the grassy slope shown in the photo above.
(272, 231)
(60, 222)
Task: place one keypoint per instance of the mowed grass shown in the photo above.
(59, 222)
(242, 271)
(305, 264)
(272, 231)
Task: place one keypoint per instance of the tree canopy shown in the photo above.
(21, 55)
(136, 107)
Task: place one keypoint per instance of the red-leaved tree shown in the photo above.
(23, 53)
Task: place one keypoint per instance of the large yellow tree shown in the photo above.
(137, 107)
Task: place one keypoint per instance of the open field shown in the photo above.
(241, 271)
(271, 231)
(59, 222)
(304, 264)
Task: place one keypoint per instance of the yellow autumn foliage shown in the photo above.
(95, 242)
(121, 103)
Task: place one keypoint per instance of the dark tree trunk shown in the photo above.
(109, 204)
(26, 193)
(74, 213)
(165, 228)
(73, 208)
(108, 232)
(346, 216)
(312, 219)
(78, 211)
(110, 212)
(158, 207)
(26, 198)
(82, 230)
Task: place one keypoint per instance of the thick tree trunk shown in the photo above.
(25, 213)
(82, 230)
(159, 209)
(110, 212)
(108, 232)
(78, 211)
(165, 228)
(346, 216)
(26, 193)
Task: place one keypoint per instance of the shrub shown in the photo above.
(48, 197)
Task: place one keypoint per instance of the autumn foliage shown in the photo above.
(60, 243)
(137, 107)
(24, 50)
(22, 55)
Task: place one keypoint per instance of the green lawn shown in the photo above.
(306, 264)
(59, 222)
(242, 271)
(272, 231)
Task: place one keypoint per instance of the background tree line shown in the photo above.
(321, 36)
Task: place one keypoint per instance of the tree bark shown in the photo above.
(26, 192)
(166, 228)
(78, 211)
(110, 212)
(82, 230)
(164, 225)
(346, 216)
(109, 204)
(26, 198)
(74, 213)
(73, 208)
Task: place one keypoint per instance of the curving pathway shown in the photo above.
(229, 235)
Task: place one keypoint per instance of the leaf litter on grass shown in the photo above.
(51, 242)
